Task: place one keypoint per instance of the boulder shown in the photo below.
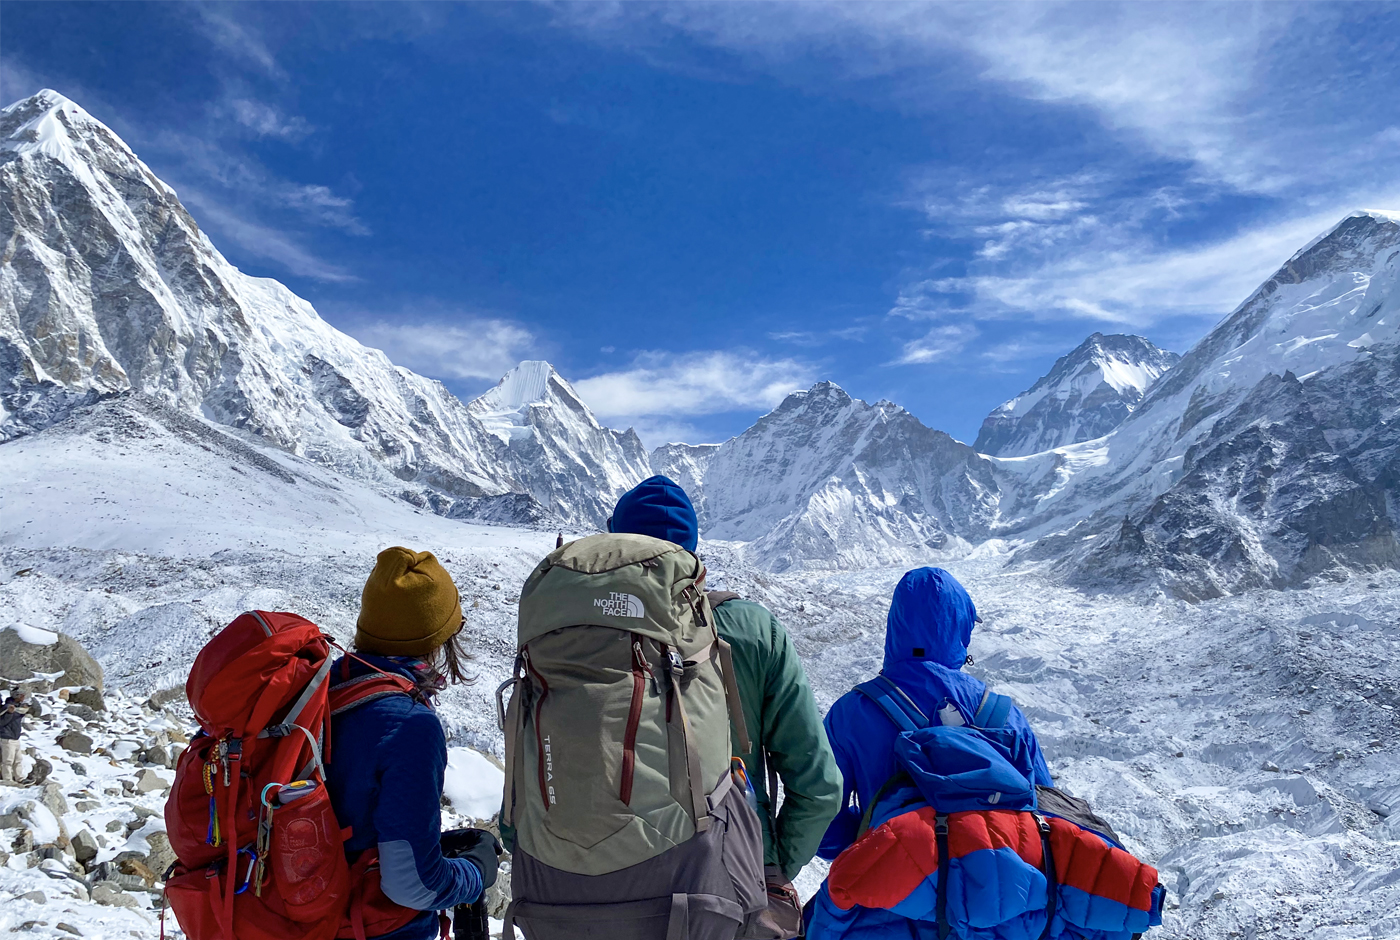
(81, 712)
(157, 755)
(112, 895)
(10, 821)
(68, 928)
(90, 697)
(39, 772)
(85, 846)
(21, 659)
(139, 869)
(157, 859)
(148, 781)
(76, 742)
(53, 799)
(35, 896)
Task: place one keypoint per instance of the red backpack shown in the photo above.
(260, 853)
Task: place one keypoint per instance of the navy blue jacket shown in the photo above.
(388, 757)
(930, 624)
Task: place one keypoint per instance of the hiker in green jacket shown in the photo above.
(788, 741)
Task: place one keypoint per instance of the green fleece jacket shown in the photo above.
(784, 725)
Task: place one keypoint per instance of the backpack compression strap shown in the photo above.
(993, 711)
(897, 706)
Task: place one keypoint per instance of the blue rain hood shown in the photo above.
(658, 507)
(931, 618)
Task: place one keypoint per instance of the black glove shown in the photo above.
(477, 846)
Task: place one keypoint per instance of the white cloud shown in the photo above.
(941, 342)
(237, 37)
(455, 347)
(262, 241)
(1130, 285)
(265, 120)
(701, 383)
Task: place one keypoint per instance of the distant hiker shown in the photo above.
(309, 804)
(11, 727)
(389, 754)
(629, 817)
(787, 740)
(950, 824)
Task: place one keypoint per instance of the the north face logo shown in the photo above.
(621, 605)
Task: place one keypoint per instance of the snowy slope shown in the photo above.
(1085, 395)
(826, 480)
(109, 285)
(1170, 717)
(557, 450)
(1267, 456)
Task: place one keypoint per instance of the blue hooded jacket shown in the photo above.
(658, 507)
(926, 637)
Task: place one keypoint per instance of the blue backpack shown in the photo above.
(954, 769)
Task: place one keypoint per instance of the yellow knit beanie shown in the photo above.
(409, 607)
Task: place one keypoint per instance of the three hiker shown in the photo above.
(650, 724)
(388, 755)
(11, 727)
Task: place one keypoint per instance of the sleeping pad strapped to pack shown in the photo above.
(960, 843)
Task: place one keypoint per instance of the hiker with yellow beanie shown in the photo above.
(387, 756)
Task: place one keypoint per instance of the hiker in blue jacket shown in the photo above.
(388, 755)
(926, 636)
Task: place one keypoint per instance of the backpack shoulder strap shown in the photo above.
(719, 597)
(993, 711)
(897, 706)
(356, 692)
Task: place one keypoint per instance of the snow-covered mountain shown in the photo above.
(826, 480)
(559, 454)
(1268, 455)
(108, 285)
(1085, 395)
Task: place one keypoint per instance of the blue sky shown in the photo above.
(693, 209)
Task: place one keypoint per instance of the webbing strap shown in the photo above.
(692, 765)
(508, 922)
(1052, 881)
(678, 925)
(512, 733)
(941, 832)
(894, 703)
(731, 695)
(309, 692)
(993, 711)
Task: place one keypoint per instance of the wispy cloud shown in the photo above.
(261, 241)
(266, 120)
(692, 384)
(1284, 105)
(450, 346)
(939, 343)
(236, 37)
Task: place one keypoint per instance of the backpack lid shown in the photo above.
(636, 583)
(253, 669)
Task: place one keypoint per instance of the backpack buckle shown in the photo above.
(1042, 823)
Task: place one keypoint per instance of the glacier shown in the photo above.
(1189, 586)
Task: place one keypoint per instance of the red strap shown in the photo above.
(444, 925)
(346, 696)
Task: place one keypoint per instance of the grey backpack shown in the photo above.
(629, 823)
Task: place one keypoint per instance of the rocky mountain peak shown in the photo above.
(1085, 395)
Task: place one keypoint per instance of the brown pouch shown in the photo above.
(781, 919)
